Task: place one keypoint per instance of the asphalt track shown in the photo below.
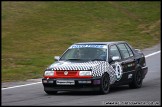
(148, 94)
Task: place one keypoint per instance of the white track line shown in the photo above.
(41, 82)
(21, 85)
(152, 54)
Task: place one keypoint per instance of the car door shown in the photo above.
(115, 61)
(128, 61)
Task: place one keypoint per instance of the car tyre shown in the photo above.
(137, 80)
(105, 84)
(51, 92)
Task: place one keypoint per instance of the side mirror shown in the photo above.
(56, 58)
(138, 50)
(114, 58)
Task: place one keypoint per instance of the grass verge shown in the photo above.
(34, 32)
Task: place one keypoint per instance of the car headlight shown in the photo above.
(49, 73)
(85, 73)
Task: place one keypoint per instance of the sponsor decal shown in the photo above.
(130, 65)
(88, 46)
(129, 76)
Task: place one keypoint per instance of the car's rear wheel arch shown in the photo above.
(137, 78)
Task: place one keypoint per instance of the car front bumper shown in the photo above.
(92, 84)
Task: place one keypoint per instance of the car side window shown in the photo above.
(123, 50)
(114, 51)
(129, 50)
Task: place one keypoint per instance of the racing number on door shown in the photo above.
(118, 70)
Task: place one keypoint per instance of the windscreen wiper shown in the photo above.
(97, 60)
(74, 59)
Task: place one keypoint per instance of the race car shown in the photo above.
(95, 66)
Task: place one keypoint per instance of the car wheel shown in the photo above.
(137, 80)
(105, 84)
(51, 92)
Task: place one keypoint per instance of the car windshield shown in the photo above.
(85, 53)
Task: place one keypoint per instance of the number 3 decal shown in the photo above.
(118, 70)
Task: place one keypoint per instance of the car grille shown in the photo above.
(70, 73)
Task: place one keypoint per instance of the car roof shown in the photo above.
(100, 43)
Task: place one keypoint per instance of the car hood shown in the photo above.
(67, 65)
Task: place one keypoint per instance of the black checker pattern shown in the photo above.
(98, 68)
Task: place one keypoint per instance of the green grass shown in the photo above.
(34, 32)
